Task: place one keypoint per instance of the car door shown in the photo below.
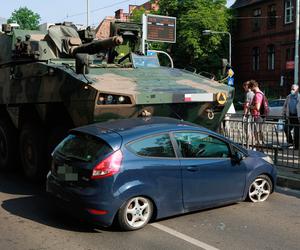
(157, 170)
(209, 174)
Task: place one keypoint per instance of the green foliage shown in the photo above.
(192, 47)
(26, 18)
(137, 14)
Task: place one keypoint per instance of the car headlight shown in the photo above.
(268, 159)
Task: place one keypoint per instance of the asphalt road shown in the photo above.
(28, 220)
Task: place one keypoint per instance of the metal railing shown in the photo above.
(277, 138)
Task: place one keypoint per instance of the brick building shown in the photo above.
(103, 29)
(264, 42)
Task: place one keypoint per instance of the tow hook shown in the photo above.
(210, 114)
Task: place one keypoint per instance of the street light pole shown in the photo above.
(296, 64)
(87, 13)
(208, 32)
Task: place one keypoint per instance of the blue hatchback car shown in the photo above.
(139, 169)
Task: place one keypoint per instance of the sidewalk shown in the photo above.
(288, 177)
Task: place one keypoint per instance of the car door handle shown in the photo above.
(192, 169)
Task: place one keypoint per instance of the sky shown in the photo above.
(53, 11)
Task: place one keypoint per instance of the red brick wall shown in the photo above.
(245, 39)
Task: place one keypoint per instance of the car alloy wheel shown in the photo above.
(135, 213)
(260, 189)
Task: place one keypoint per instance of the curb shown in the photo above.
(288, 182)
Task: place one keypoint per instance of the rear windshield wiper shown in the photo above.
(74, 157)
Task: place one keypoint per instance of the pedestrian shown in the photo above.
(255, 108)
(249, 94)
(291, 114)
(248, 99)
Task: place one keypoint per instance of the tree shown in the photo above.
(137, 14)
(26, 18)
(194, 16)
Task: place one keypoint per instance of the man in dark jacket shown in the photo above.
(291, 113)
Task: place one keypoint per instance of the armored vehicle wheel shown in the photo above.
(8, 145)
(32, 151)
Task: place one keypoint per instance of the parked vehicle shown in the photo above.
(135, 170)
(276, 107)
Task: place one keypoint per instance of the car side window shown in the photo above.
(200, 145)
(155, 146)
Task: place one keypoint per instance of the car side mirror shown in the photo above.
(237, 157)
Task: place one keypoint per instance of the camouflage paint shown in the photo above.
(51, 78)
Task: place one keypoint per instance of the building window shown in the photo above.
(256, 19)
(288, 11)
(271, 57)
(255, 59)
(272, 16)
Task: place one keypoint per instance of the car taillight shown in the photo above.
(109, 166)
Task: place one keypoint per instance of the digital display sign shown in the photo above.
(161, 28)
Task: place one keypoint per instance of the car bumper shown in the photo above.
(78, 204)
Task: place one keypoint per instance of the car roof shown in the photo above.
(116, 131)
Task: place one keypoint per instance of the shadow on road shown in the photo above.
(33, 203)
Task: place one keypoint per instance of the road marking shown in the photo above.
(183, 237)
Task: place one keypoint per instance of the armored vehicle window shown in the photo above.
(145, 61)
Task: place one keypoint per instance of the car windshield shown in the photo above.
(83, 147)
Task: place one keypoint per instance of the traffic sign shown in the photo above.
(230, 81)
(230, 73)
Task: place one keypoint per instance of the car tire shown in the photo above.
(32, 151)
(260, 189)
(9, 154)
(135, 213)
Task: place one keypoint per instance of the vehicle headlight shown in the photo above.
(268, 159)
(111, 99)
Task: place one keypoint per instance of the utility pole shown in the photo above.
(87, 13)
(296, 64)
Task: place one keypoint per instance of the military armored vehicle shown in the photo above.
(53, 81)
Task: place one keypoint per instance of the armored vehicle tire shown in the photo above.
(32, 151)
(8, 145)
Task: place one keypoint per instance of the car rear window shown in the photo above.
(83, 147)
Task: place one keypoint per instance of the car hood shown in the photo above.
(253, 153)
